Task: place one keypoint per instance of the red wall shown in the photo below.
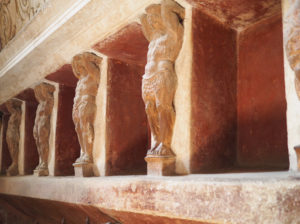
(126, 121)
(213, 129)
(67, 145)
(262, 131)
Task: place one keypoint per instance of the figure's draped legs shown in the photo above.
(84, 125)
(164, 103)
(88, 140)
(152, 116)
(78, 129)
(13, 151)
(37, 141)
(44, 146)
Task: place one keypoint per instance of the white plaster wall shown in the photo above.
(293, 103)
(181, 142)
(99, 149)
(52, 138)
(21, 157)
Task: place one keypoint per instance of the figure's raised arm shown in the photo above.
(146, 27)
(93, 63)
(172, 14)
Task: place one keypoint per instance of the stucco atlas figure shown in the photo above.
(162, 26)
(13, 134)
(41, 131)
(86, 68)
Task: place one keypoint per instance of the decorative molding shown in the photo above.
(44, 35)
(15, 15)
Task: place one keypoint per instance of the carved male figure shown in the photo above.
(292, 40)
(13, 134)
(86, 67)
(162, 26)
(41, 130)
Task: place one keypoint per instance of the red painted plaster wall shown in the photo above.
(126, 121)
(262, 131)
(67, 145)
(213, 129)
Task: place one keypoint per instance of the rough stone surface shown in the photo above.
(231, 198)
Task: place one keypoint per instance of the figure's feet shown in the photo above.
(87, 158)
(12, 170)
(161, 150)
(152, 150)
(84, 158)
(43, 166)
(38, 167)
(41, 169)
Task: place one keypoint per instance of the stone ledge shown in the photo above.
(219, 198)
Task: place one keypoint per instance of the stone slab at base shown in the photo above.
(297, 150)
(41, 172)
(83, 169)
(160, 166)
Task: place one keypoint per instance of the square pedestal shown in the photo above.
(160, 166)
(83, 169)
(297, 150)
(41, 172)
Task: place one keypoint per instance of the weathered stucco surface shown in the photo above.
(293, 103)
(269, 198)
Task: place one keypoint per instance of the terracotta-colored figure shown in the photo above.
(41, 131)
(13, 134)
(162, 26)
(292, 40)
(86, 68)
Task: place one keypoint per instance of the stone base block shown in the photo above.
(160, 166)
(41, 172)
(297, 149)
(83, 169)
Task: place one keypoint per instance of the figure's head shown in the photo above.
(154, 16)
(79, 63)
(44, 91)
(13, 105)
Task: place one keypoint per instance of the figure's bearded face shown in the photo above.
(79, 65)
(154, 16)
(155, 21)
